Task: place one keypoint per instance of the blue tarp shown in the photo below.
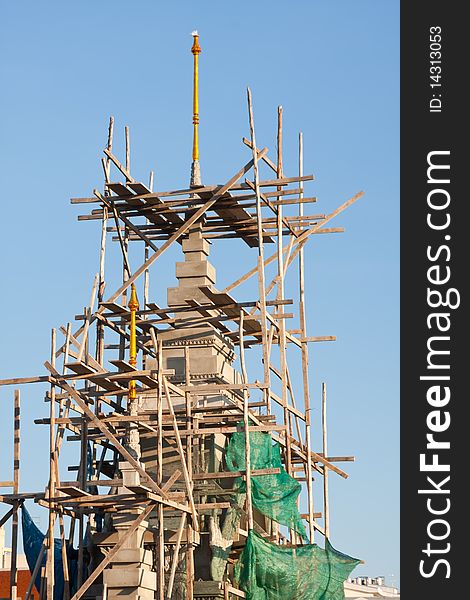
(32, 542)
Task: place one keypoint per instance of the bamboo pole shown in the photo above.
(146, 272)
(128, 149)
(65, 564)
(174, 563)
(246, 423)
(35, 572)
(326, 502)
(82, 482)
(147, 254)
(88, 311)
(16, 488)
(101, 286)
(189, 455)
(280, 296)
(158, 346)
(304, 355)
(101, 280)
(126, 273)
(110, 148)
(52, 482)
(181, 453)
(260, 266)
(58, 442)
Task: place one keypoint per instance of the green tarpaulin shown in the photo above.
(266, 571)
(273, 495)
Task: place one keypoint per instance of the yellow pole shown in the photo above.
(195, 169)
(133, 307)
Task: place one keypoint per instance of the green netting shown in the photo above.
(273, 495)
(266, 571)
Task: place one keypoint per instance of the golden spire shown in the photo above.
(133, 307)
(195, 168)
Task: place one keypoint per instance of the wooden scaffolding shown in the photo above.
(152, 394)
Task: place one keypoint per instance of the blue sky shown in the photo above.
(334, 68)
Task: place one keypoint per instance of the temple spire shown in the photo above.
(195, 168)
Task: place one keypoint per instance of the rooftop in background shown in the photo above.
(369, 587)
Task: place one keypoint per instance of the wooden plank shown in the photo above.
(22, 380)
(73, 491)
(212, 430)
(236, 591)
(213, 505)
(138, 187)
(233, 214)
(225, 302)
(234, 474)
(120, 189)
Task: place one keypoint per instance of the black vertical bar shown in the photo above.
(435, 261)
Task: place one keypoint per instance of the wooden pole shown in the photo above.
(35, 572)
(101, 286)
(260, 266)
(88, 311)
(280, 296)
(246, 423)
(16, 488)
(110, 148)
(326, 503)
(65, 564)
(101, 280)
(158, 346)
(189, 455)
(82, 477)
(125, 277)
(304, 354)
(181, 453)
(174, 563)
(146, 272)
(52, 483)
(128, 150)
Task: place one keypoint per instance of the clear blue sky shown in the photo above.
(65, 67)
